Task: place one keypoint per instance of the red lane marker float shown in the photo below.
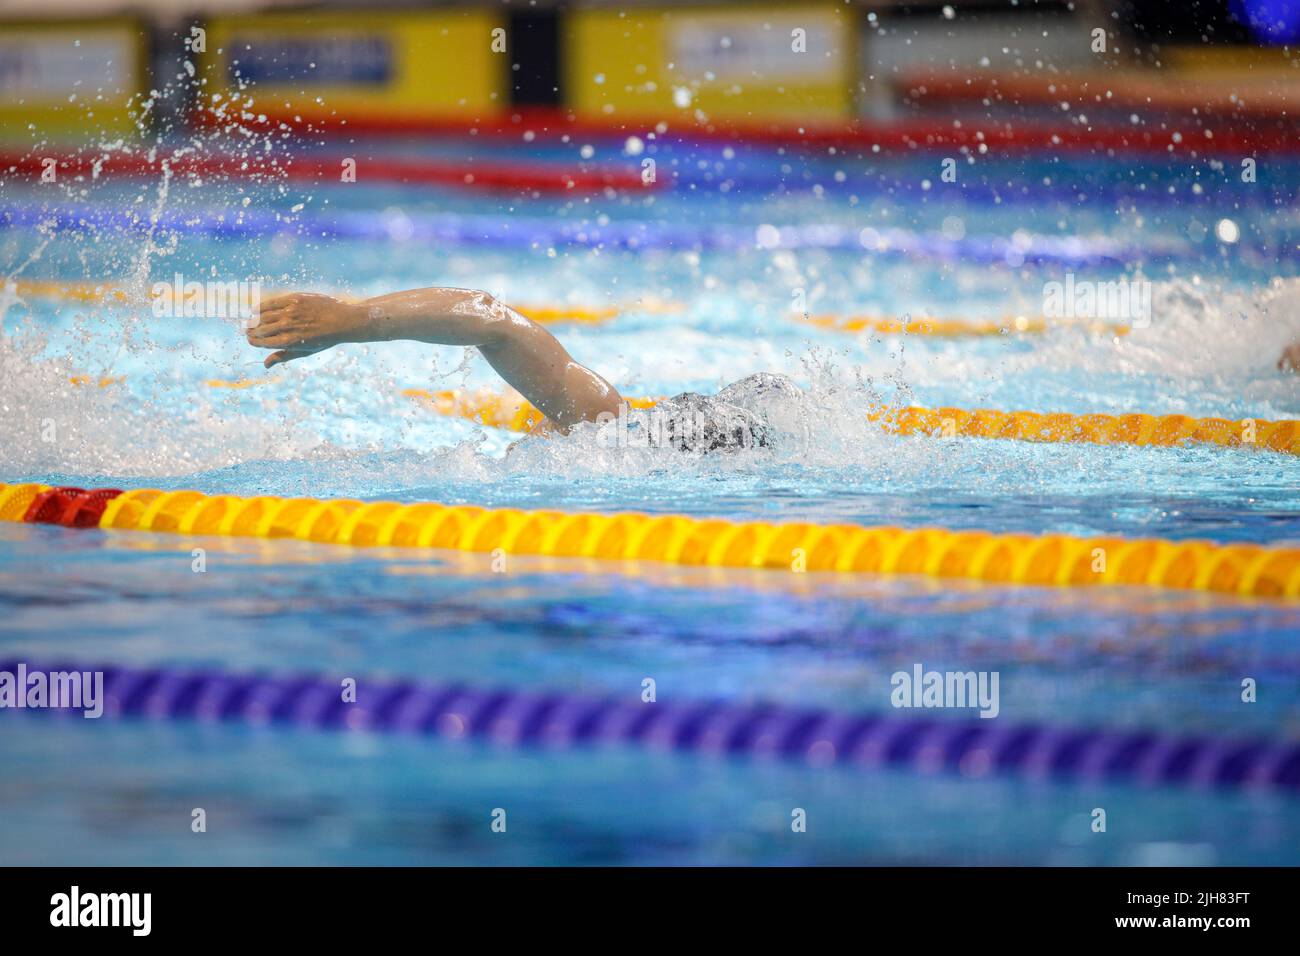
(1259, 98)
(895, 136)
(491, 175)
(70, 507)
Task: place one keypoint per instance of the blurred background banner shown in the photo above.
(382, 65)
(57, 75)
(740, 66)
(743, 61)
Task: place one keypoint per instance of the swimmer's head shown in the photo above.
(761, 388)
(698, 423)
(752, 413)
(773, 398)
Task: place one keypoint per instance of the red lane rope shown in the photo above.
(1255, 98)
(70, 507)
(492, 175)
(894, 137)
(905, 135)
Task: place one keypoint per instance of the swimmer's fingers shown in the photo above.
(278, 336)
(296, 301)
(279, 358)
(260, 333)
(299, 312)
(281, 303)
(257, 331)
(287, 355)
(284, 308)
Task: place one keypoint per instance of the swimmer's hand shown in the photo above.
(1290, 360)
(304, 323)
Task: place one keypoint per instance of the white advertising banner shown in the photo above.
(776, 47)
(45, 67)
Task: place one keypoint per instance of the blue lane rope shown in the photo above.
(1219, 194)
(516, 232)
(971, 748)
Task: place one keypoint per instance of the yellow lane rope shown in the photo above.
(490, 408)
(1053, 559)
(502, 411)
(513, 413)
(953, 328)
(1133, 429)
(66, 291)
(98, 292)
(102, 381)
(559, 313)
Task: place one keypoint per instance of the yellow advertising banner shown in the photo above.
(371, 66)
(70, 77)
(741, 63)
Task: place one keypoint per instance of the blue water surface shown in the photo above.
(692, 317)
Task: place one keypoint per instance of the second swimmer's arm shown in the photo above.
(523, 353)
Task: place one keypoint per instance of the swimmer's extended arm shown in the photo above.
(523, 353)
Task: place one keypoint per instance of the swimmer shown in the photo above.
(746, 414)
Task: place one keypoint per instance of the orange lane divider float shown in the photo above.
(953, 328)
(562, 314)
(492, 409)
(104, 381)
(555, 313)
(1134, 429)
(66, 291)
(1053, 559)
(512, 412)
(240, 383)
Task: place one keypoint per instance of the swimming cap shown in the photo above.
(761, 389)
(694, 422)
(778, 402)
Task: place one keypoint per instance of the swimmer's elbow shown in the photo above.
(485, 302)
(594, 399)
(503, 325)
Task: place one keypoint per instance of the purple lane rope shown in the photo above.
(971, 748)
(540, 232)
(869, 187)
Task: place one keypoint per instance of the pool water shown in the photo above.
(708, 293)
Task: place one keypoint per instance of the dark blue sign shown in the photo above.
(325, 60)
